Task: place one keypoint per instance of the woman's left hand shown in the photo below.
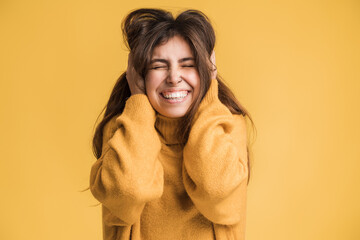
(213, 61)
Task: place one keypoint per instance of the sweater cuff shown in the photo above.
(138, 109)
(210, 96)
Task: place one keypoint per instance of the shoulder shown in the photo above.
(239, 133)
(240, 122)
(110, 128)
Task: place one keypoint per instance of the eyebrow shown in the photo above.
(166, 61)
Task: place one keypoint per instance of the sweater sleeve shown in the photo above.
(128, 173)
(215, 161)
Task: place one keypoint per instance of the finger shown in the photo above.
(128, 62)
(130, 65)
(213, 61)
(213, 74)
(212, 57)
(130, 58)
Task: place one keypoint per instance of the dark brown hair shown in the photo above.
(144, 29)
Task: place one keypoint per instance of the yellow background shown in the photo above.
(293, 64)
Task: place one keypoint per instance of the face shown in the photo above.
(172, 81)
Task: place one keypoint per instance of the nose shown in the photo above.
(174, 76)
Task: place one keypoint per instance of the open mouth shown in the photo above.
(175, 96)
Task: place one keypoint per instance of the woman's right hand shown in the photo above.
(135, 81)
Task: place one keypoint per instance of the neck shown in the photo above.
(167, 128)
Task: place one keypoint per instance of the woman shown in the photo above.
(172, 152)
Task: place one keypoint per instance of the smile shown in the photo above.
(174, 96)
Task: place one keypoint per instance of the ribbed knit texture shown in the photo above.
(152, 188)
(167, 129)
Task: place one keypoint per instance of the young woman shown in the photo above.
(172, 150)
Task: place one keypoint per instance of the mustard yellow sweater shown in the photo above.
(153, 189)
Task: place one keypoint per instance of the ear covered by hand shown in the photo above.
(213, 62)
(135, 81)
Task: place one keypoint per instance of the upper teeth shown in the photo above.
(179, 94)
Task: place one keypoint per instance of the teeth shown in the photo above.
(172, 95)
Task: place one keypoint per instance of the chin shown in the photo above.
(173, 114)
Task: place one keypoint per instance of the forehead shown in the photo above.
(175, 47)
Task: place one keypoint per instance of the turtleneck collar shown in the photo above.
(167, 128)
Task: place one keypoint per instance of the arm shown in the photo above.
(215, 161)
(128, 174)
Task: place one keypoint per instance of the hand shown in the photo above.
(135, 81)
(213, 61)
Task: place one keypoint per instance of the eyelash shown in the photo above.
(157, 67)
(165, 66)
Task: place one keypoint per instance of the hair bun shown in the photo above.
(140, 22)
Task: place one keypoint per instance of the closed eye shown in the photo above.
(158, 67)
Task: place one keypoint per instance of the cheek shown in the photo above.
(194, 81)
(151, 83)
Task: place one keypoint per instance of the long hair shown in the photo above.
(144, 29)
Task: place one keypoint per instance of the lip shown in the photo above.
(174, 101)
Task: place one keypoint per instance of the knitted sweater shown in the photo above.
(151, 188)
